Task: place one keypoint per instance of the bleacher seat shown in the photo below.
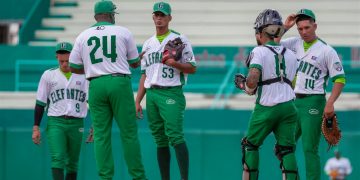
(209, 22)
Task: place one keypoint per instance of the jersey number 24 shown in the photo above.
(103, 43)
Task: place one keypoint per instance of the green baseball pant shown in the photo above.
(279, 119)
(309, 128)
(165, 111)
(64, 137)
(112, 96)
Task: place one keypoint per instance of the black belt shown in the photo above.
(68, 117)
(299, 96)
(113, 75)
(163, 87)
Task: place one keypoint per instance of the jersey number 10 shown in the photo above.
(104, 45)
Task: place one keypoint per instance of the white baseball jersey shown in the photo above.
(63, 96)
(316, 65)
(342, 166)
(268, 63)
(104, 49)
(161, 74)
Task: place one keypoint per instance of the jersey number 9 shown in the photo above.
(77, 105)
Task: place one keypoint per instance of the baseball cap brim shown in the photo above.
(162, 11)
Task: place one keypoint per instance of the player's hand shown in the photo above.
(36, 136)
(90, 136)
(329, 110)
(165, 57)
(333, 174)
(170, 62)
(139, 113)
(290, 21)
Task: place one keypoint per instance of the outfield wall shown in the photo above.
(22, 68)
(213, 138)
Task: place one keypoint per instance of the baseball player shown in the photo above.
(272, 67)
(65, 95)
(318, 62)
(162, 80)
(337, 168)
(104, 53)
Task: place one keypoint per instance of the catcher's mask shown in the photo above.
(270, 22)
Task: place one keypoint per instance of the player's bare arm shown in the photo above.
(135, 65)
(140, 95)
(288, 24)
(77, 71)
(335, 93)
(253, 78)
(184, 67)
(290, 21)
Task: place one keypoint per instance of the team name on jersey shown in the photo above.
(74, 94)
(309, 69)
(153, 58)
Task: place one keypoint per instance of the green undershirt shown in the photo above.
(162, 37)
(307, 45)
(67, 74)
(340, 80)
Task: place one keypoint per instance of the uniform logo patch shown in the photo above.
(170, 101)
(188, 56)
(337, 66)
(78, 82)
(313, 58)
(81, 130)
(313, 111)
(100, 28)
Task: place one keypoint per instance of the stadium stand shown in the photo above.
(217, 113)
(205, 22)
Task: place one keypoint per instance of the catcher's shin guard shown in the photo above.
(287, 161)
(250, 160)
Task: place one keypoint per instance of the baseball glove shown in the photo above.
(239, 81)
(173, 49)
(331, 131)
(90, 137)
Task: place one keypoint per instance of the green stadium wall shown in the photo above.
(213, 137)
(15, 9)
(214, 63)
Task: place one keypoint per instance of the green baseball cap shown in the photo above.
(104, 7)
(63, 46)
(306, 12)
(162, 7)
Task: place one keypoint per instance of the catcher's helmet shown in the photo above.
(269, 21)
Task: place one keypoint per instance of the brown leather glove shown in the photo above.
(331, 131)
(173, 49)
